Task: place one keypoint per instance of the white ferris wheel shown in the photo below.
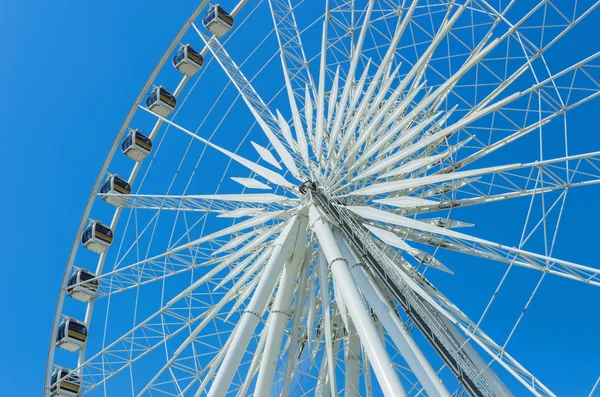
(303, 191)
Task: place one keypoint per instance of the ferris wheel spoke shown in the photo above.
(543, 177)
(345, 20)
(546, 10)
(293, 58)
(521, 70)
(233, 205)
(296, 286)
(373, 128)
(433, 139)
(577, 84)
(366, 103)
(320, 108)
(294, 338)
(514, 176)
(355, 57)
(418, 68)
(501, 87)
(278, 318)
(455, 320)
(266, 173)
(333, 94)
(256, 105)
(185, 257)
(256, 307)
(518, 32)
(148, 335)
(432, 235)
(209, 316)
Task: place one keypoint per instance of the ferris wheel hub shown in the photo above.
(308, 186)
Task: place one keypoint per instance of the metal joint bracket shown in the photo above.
(338, 259)
(254, 313)
(284, 312)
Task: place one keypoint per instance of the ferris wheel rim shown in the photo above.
(99, 180)
(92, 198)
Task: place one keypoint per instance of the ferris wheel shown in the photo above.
(278, 213)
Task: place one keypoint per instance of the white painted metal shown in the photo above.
(351, 349)
(132, 177)
(394, 327)
(391, 134)
(352, 363)
(281, 252)
(293, 353)
(112, 151)
(266, 155)
(280, 313)
(266, 173)
(251, 183)
(490, 376)
(256, 105)
(382, 364)
(328, 356)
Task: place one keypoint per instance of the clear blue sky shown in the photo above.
(69, 72)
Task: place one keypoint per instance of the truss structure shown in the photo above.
(289, 242)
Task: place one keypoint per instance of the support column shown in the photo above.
(241, 337)
(382, 364)
(326, 321)
(280, 314)
(351, 357)
(406, 345)
(351, 348)
(297, 327)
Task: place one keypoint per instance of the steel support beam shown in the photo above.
(375, 347)
(407, 347)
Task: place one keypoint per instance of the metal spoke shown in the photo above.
(297, 257)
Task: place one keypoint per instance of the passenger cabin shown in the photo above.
(136, 145)
(82, 285)
(115, 190)
(64, 383)
(217, 21)
(161, 101)
(97, 237)
(187, 60)
(71, 335)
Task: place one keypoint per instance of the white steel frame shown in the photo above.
(380, 149)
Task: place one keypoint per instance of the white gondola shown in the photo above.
(115, 190)
(64, 384)
(161, 101)
(187, 60)
(82, 285)
(97, 237)
(71, 335)
(136, 145)
(217, 21)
